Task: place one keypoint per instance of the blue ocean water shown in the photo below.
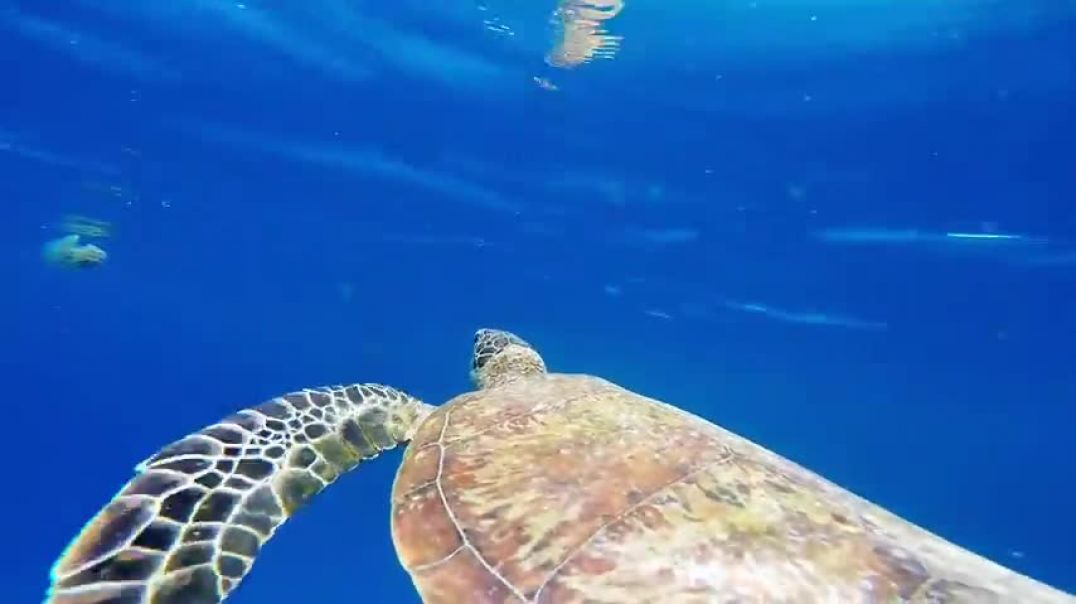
(844, 230)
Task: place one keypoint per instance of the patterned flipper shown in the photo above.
(187, 528)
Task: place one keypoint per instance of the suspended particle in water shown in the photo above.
(545, 84)
(658, 314)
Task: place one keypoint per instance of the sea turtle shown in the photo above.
(537, 487)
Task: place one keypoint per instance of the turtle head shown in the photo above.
(501, 357)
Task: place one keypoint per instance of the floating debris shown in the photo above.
(914, 237)
(805, 318)
(492, 23)
(111, 191)
(545, 84)
(86, 226)
(1013, 248)
(580, 35)
(67, 252)
(659, 237)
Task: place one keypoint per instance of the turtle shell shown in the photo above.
(568, 488)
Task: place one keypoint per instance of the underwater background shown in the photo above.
(842, 229)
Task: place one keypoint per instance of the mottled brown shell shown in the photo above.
(561, 488)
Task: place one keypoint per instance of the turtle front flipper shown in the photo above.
(187, 528)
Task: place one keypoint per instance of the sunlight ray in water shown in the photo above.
(85, 47)
(15, 148)
(366, 161)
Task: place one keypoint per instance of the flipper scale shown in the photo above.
(187, 528)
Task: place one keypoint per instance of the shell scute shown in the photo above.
(420, 521)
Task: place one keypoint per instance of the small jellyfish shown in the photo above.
(68, 252)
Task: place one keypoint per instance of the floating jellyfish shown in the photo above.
(69, 253)
(581, 36)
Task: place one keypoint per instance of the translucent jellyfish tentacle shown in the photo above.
(581, 36)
